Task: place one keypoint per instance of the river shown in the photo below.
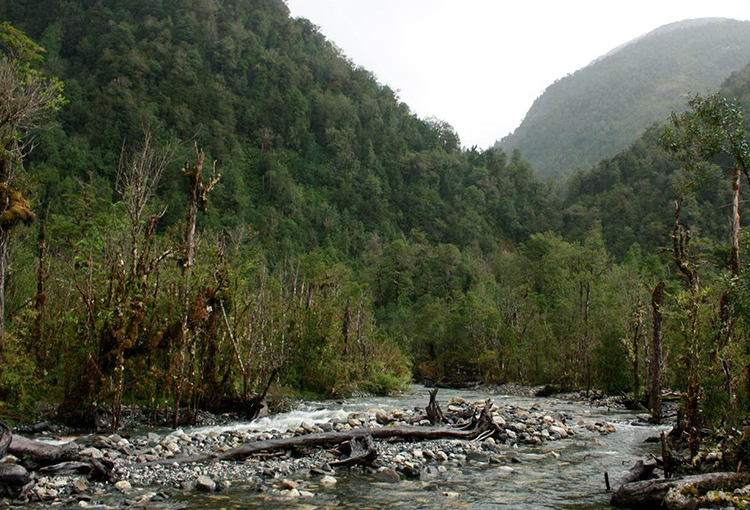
(567, 474)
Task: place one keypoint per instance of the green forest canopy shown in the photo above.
(349, 245)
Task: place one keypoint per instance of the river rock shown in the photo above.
(388, 475)
(328, 480)
(288, 484)
(80, 485)
(123, 485)
(558, 431)
(291, 493)
(410, 470)
(441, 456)
(205, 484)
(94, 453)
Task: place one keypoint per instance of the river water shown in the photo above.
(566, 474)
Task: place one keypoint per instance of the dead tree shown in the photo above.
(197, 201)
(138, 175)
(689, 273)
(657, 303)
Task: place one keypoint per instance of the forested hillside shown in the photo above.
(334, 205)
(313, 151)
(601, 109)
(224, 208)
(632, 193)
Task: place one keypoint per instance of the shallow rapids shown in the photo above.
(566, 474)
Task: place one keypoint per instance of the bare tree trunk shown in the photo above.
(586, 339)
(197, 199)
(636, 347)
(686, 267)
(4, 240)
(657, 302)
(346, 326)
(40, 298)
(195, 175)
(734, 262)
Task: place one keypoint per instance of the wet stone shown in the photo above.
(205, 484)
(387, 475)
(328, 480)
(123, 485)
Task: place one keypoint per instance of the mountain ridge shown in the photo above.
(601, 108)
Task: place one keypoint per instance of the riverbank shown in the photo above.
(528, 426)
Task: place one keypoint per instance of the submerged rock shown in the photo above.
(388, 475)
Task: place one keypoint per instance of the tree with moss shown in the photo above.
(27, 101)
(712, 131)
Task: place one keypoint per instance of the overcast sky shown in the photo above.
(479, 64)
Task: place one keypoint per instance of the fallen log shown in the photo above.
(43, 454)
(67, 468)
(484, 428)
(5, 437)
(651, 493)
(639, 472)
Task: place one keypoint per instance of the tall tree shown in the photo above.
(27, 100)
(713, 130)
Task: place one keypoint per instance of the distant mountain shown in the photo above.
(601, 109)
(631, 194)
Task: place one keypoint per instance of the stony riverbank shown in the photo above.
(286, 475)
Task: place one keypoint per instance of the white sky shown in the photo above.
(479, 64)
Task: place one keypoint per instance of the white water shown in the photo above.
(566, 474)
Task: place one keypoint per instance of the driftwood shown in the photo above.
(42, 454)
(361, 451)
(67, 468)
(434, 413)
(639, 472)
(484, 427)
(48, 459)
(651, 494)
